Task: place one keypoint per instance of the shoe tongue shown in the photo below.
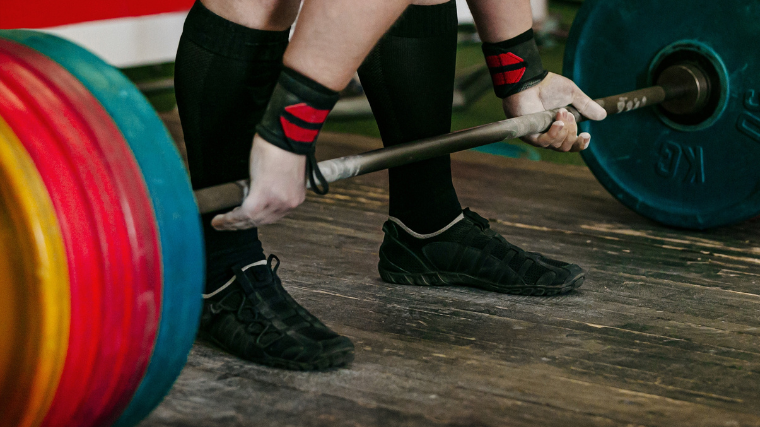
(478, 220)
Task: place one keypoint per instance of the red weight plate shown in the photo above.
(127, 235)
(82, 251)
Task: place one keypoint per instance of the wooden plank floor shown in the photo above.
(664, 332)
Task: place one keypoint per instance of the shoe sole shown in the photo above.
(338, 358)
(456, 279)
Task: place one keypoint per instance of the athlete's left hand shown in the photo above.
(553, 92)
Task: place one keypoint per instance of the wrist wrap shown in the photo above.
(515, 64)
(294, 117)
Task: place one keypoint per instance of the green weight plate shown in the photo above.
(695, 172)
(176, 213)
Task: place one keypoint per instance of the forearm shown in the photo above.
(499, 20)
(332, 37)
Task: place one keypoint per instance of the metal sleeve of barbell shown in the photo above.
(229, 195)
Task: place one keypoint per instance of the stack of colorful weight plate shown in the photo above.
(100, 235)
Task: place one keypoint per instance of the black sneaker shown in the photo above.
(469, 253)
(254, 318)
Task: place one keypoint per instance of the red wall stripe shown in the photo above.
(52, 13)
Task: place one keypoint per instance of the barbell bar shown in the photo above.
(681, 88)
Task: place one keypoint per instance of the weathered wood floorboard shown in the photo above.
(665, 331)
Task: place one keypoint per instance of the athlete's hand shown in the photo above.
(553, 92)
(278, 185)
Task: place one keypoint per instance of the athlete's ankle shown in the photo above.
(435, 233)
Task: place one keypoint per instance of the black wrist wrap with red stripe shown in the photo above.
(515, 64)
(294, 117)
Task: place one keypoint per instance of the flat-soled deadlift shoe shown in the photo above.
(254, 318)
(469, 253)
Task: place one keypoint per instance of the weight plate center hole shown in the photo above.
(697, 74)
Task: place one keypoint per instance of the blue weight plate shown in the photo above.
(697, 173)
(173, 203)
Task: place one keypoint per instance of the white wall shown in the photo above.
(465, 17)
(126, 42)
(540, 11)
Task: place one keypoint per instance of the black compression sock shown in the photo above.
(224, 77)
(225, 249)
(409, 79)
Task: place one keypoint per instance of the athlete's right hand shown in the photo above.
(278, 185)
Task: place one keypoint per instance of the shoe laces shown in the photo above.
(273, 264)
(485, 228)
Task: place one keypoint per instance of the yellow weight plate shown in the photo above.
(35, 305)
(9, 262)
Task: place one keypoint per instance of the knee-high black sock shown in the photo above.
(224, 77)
(409, 78)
